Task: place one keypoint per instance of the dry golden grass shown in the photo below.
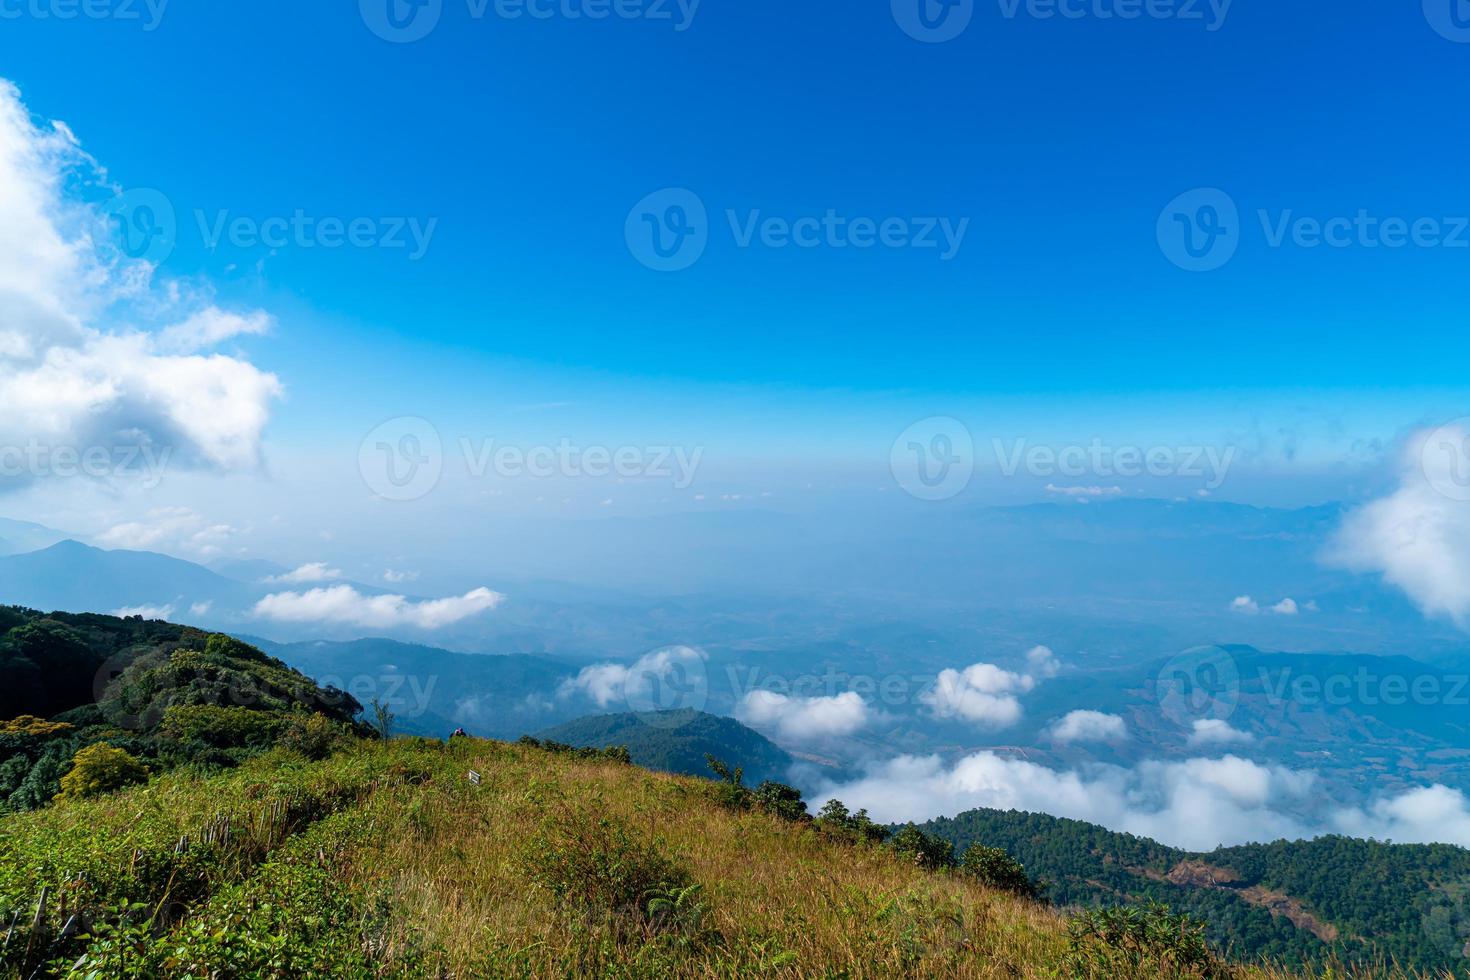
(443, 875)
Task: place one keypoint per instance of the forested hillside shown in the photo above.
(1289, 901)
(679, 742)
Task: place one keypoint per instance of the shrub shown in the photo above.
(99, 769)
(599, 868)
(925, 850)
(222, 727)
(781, 800)
(994, 867)
(315, 736)
(1140, 941)
(835, 817)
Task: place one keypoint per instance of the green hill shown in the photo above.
(678, 741)
(167, 695)
(1295, 902)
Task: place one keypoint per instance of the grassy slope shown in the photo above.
(385, 860)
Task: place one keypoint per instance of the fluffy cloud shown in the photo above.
(396, 577)
(1217, 731)
(344, 604)
(987, 695)
(1418, 537)
(93, 353)
(1244, 604)
(1286, 607)
(647, 683)
(1089, 726)
(1425, 815)
(317, 571)
(172, 529)
(1197, 803)
(799, 718)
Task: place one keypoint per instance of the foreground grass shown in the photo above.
(386, 860)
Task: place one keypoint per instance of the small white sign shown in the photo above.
(474, 777)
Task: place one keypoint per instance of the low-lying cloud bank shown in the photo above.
(673, 677)
(1418, 537)
(342, 604)
(801, 719)
(1197, 804)
(986, 695)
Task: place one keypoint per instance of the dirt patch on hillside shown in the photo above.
(1198, 874)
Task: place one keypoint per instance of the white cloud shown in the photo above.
(1197, 803)
(1424, 815)
(396, 578)
(170, 529)
(679, 669)
(799, 718)
(987, 695)
(1089, 726)
(1286, 607)
(1084, 491)
(1418, 537)
(344, 604)
(201, 608)
(1217, 731)
(83, 364)
(1245, 604)
(147, 612)
(317, 571)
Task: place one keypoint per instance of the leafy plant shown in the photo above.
(996, 868)
(99, 769)
(1140, 941)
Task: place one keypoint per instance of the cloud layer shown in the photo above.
(986, 695)
(1197, 803)
(94, 354)
(802, 718)
(342, 604)
(1418, 537)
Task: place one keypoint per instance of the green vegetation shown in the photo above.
(1293, 902)
(679, 742)
(126, 697)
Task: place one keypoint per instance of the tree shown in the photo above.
(99, 769)
(925, 850)
(383, 719)
(994, 867)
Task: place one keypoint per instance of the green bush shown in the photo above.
(315, 736)
(994, 867)
(925, 850)
(835, 818)
(1140, 941)
(99, 769)
(598, 868)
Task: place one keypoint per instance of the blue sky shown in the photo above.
(1059, 140)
